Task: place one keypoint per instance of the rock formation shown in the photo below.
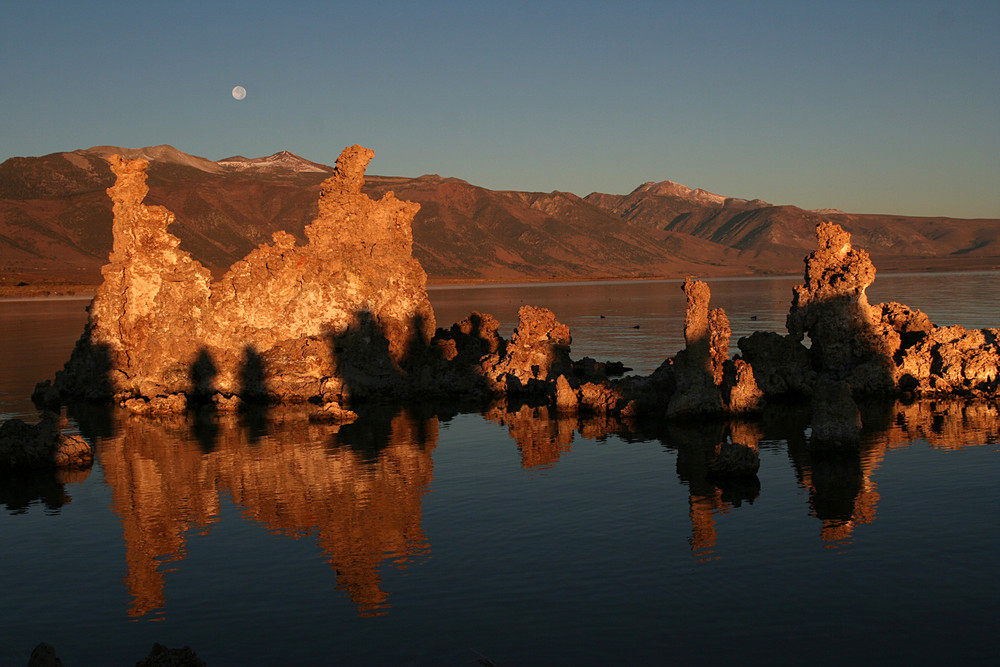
(342, 315)
(782, 364)
(42, 445)
(707, 381)
(699, 364)
(849, 339)
(566, 398)
(952, 360)
(883, 349)
(533, 364)
(44, 655)
(345, 316)
(538, 352)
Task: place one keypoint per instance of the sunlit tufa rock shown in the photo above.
(338, 316)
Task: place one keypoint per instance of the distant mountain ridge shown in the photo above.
(280, 160)
(55, 223)
(161, 154)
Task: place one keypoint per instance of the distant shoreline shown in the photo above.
(16, 288)
(46, 291)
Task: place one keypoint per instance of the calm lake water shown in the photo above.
(420, 536)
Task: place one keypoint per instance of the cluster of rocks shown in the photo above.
(340, 319)
(882, 349)
(345, 317)
(44, 655)
(854, 350)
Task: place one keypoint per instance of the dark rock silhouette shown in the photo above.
(44, 655)
(782, 365)
(42, 445)
(836, 420)
(161, 656)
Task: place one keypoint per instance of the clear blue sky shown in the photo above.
(869, 107)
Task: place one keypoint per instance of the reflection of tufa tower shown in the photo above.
(541, 437)
(358, 491)
(842, 493)
(697, 444)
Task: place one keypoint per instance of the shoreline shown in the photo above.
(18, 288)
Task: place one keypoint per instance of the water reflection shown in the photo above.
(20, 489)
(842, 493)
(540, 433)
(357, 489)
(697, 444)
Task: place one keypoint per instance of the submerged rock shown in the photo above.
(44, 655)
(161, 656)
(42, 445)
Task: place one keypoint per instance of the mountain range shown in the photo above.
(55, 223)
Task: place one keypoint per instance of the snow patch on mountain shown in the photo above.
(672, 189)
(281, 160)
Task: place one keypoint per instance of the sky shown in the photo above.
(867, 107)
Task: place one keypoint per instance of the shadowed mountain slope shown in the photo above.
(765, 232)
(55, 223)
(467, 232)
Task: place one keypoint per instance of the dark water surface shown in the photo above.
(418, 536)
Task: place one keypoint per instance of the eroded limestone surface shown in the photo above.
(882, 349)
(850, 341)
(707, 380)
(340, 315)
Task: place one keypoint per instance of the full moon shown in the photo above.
(239, 92)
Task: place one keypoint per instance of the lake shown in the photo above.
(419, 535)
